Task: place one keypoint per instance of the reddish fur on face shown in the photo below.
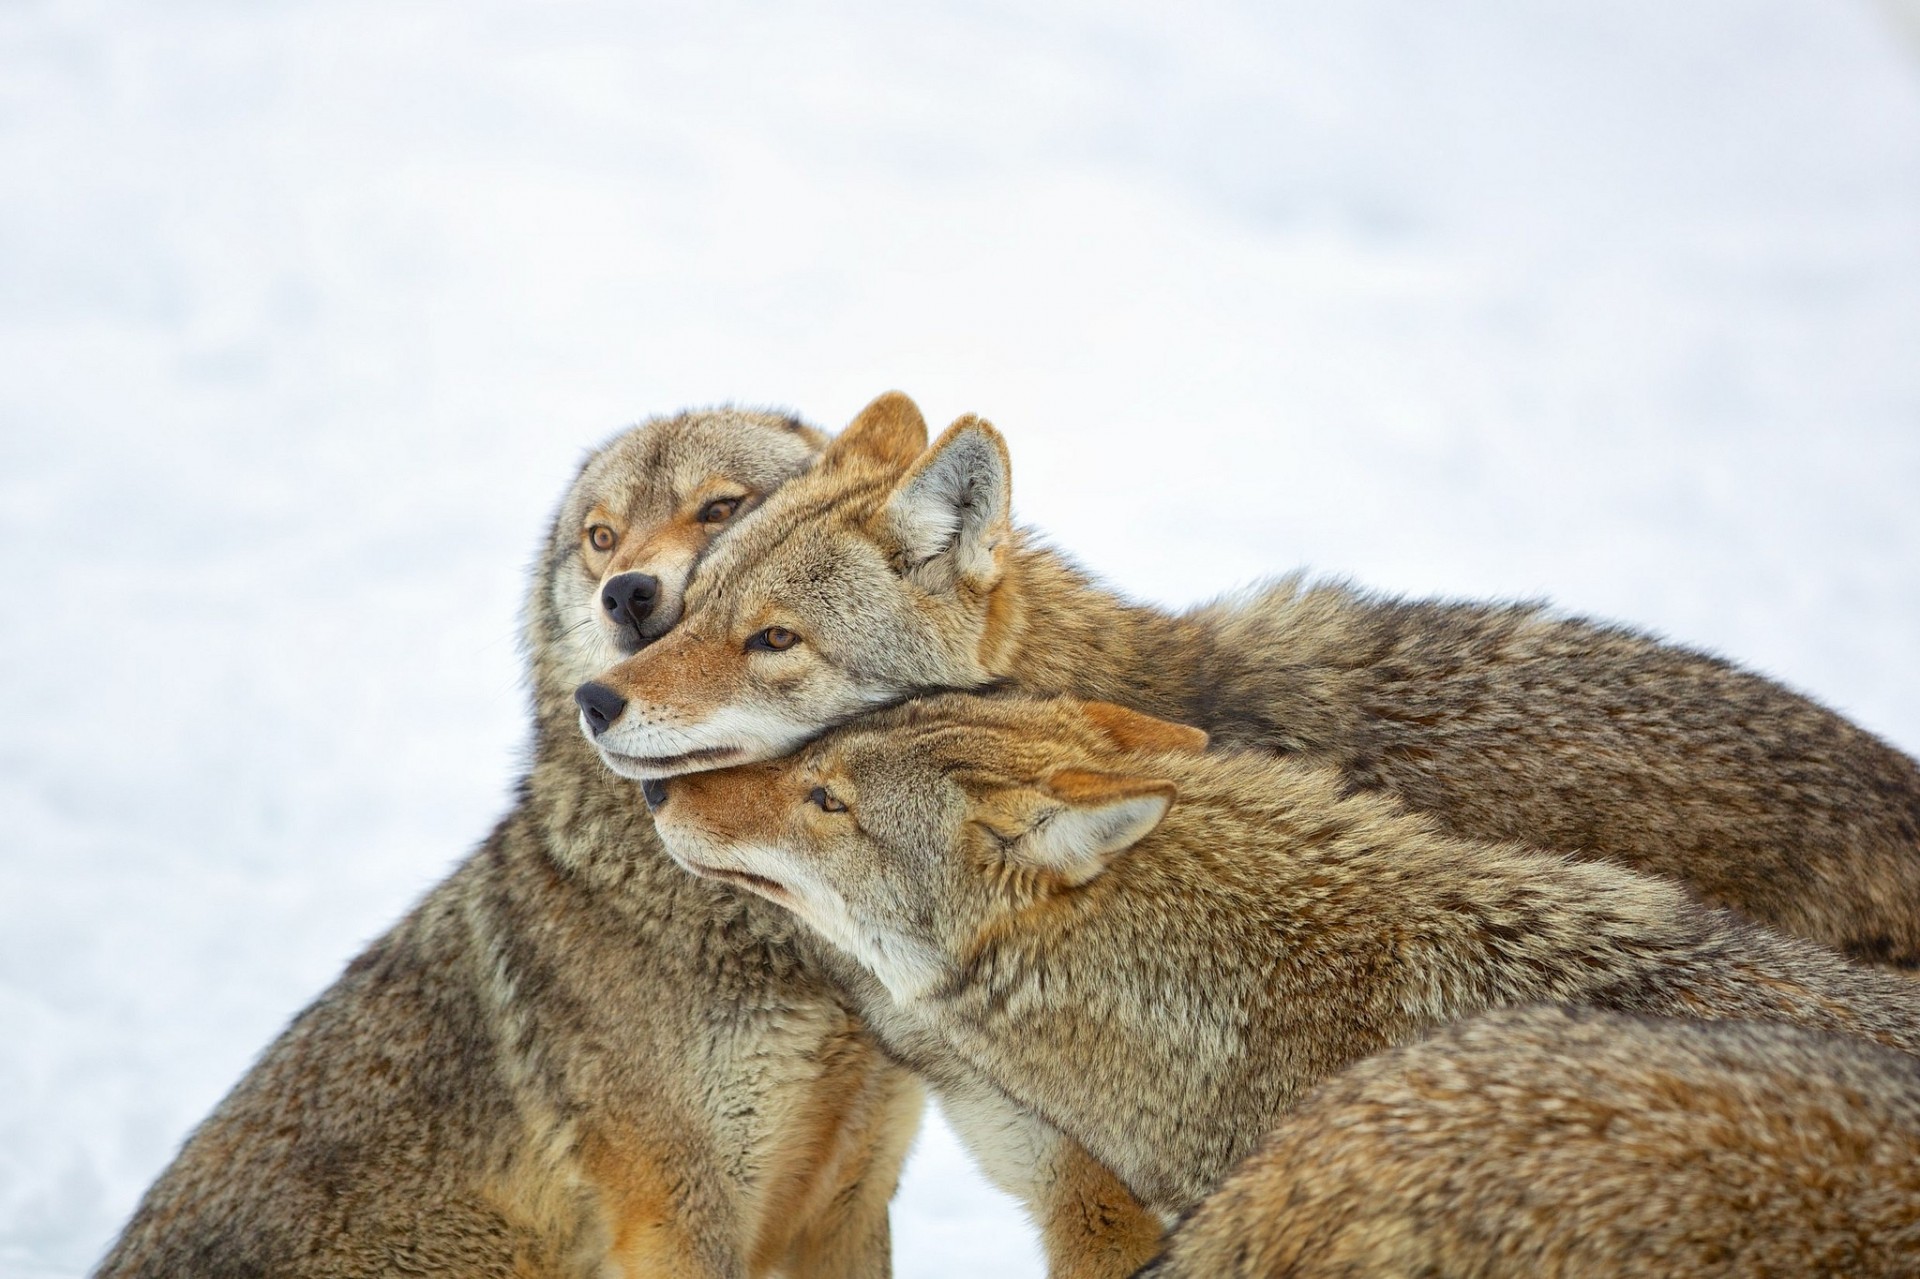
(741, 805)
(707, 675)
(671, 544)
(677, 543)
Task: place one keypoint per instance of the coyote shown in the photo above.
(892, 567)
(1161, 980)
(570, 1059)
(1554, 1143)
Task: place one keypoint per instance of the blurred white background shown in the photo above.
(308, 310)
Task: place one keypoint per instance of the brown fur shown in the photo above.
(1162, 980)
(898, 569)
(571, 1059)
(1565, 1144)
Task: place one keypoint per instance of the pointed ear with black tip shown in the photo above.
(950, 515)
(889, 432)
(1130, 730)
(1083, 820)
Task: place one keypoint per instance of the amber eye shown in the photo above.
(720, 510)
(602, 538)
(775, 639)
(825, 802)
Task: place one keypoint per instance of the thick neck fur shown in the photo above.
(1055, 629)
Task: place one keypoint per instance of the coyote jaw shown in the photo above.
(646, 768)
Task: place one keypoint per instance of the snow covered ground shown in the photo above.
(307, 310)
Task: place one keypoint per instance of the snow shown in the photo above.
(307, 311)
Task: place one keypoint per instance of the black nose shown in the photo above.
(600, 704)
(629, 597)
(655, 791)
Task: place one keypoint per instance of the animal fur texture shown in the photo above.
(1554, 1143)
(571, 1059)
(1159, 949)
(894, 567)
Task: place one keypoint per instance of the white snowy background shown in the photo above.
(308, 310)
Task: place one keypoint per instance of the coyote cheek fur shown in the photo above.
(1158, 948)
(1568, 1144)
(893, 567)
(571, 1059)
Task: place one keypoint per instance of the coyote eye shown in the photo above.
(775, 639)
(720, 510)
(826, 803)
(601, 537)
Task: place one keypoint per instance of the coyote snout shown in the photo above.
(642, 740)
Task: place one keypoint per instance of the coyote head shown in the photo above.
(906, 836)
(644, 507)
(867, 579)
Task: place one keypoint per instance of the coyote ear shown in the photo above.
(889, 431)
(1085, 820)
(949, 514)
(1132, 731)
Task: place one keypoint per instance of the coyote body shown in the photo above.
(891, 568)
(1162, 980)
(1565, 1144)
(571, 1059)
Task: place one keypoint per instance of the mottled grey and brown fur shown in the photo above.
(893, 567)
(1555, 1143)
(1162, 980)
(571, 1059)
